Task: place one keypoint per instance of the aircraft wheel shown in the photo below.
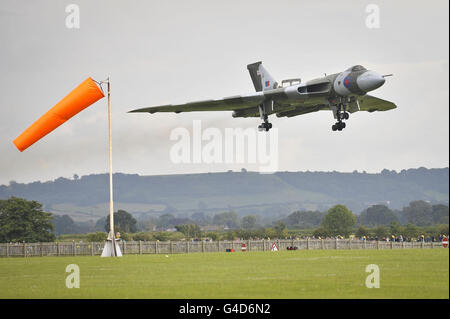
(346, 115)
(334, 127)
(265, 126)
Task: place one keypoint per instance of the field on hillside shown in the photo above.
(407, 273)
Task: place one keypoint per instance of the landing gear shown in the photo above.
(338, 126)
(341, 114)
(265, 126)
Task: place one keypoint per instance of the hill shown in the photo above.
(273, 195)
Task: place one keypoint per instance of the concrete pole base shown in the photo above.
(111, 248)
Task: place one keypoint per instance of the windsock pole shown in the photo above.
(111, 248)
(111, 201)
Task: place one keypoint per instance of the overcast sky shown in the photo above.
(162, 52)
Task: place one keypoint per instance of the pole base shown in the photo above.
(111, 248)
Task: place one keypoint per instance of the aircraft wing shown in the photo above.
(226, 104)
(370, 104)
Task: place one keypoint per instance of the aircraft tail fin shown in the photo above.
(262, 80)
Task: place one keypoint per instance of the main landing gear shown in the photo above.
(265, 126)
(341, 114)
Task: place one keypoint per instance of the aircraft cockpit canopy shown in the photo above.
(356, 68)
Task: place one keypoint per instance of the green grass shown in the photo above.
(408, 273)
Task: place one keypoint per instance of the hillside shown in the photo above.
(245, 192)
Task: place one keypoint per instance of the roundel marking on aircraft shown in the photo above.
(347, 81)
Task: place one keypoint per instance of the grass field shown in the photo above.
(408, 273)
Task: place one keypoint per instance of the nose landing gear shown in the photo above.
(341, 114)
(339, 126)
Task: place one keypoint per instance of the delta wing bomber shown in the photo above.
(342, 93)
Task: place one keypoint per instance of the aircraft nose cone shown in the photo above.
(370, 81)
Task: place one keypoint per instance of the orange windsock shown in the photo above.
(80, 98)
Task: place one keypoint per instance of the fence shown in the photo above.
(177, 247)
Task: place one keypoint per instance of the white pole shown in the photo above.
(111, 203)
(111, 198)
(108, 250)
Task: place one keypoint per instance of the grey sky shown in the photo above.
(163, 52)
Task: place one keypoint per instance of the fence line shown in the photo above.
(177, 247)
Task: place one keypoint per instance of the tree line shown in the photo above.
(22, 220)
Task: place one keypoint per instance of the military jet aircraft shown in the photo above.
(342, 93)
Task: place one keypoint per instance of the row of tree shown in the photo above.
(22, 220)
(408, 232)
(419, 213)
(338, 221)
(193, 231)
